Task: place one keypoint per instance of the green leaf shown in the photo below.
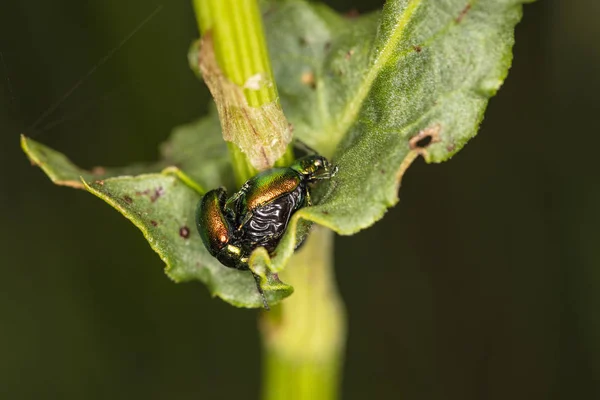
(198, 149)
(373, 93)
(162, 207)
(359, 90)
(376, 92)
(319, 59)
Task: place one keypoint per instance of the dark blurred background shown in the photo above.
(483, 283)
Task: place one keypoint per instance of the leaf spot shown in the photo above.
(128, 199)
(154, 223)
(308, 78)
(349, 54)
(417, 48)
(184, 232)
(426, 137)
(100, 182)
(463, 13)
(159, 191)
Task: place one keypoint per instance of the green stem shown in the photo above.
(241, 52)
(304, 336)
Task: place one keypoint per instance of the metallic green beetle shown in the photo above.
(258, 214)
(217, 232)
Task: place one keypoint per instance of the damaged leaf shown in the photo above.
(371, 93)
(162, 206)
(420, 68)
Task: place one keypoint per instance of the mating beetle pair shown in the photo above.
(259, 213)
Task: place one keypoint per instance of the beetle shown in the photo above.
(258, 214)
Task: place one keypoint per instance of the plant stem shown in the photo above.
(304, 336)
(241, 52)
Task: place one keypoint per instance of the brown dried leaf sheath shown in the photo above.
(262, 133)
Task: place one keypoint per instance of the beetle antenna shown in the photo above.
(300, 145)
(260, 291)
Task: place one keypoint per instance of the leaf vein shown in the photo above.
(354, 106)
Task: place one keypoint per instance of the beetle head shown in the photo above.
(314, 167)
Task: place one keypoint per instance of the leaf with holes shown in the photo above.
(371, 92)
(162, 206)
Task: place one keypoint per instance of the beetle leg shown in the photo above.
(330, 188)
(304, 147)
(244, 221)
(308, 199)
(230, 204)
(260, 291)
